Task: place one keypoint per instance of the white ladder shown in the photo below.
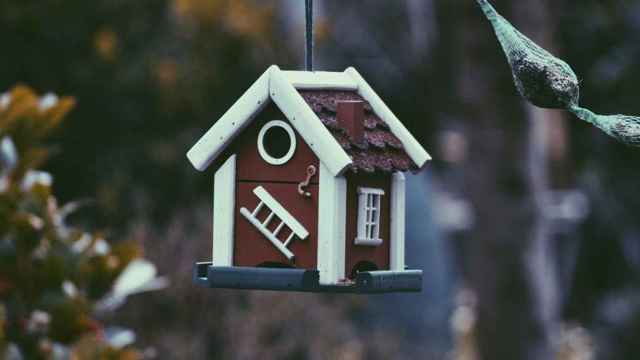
(286, 220)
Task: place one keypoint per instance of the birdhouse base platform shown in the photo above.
(286, 279)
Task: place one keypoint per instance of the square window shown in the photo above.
(369, 208)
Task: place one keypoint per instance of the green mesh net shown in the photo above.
(549, 82)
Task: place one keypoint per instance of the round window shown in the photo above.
(276, 142)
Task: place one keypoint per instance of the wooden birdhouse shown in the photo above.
(308, 184)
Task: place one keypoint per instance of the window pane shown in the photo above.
(376, 218)
(369, 213)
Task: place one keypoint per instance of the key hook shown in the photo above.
(311, 172)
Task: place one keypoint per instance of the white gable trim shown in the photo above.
(274, 85)
(231, 124)
(314, 133)
(321, 80)
(413, 148)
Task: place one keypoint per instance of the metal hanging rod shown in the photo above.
(309, 36)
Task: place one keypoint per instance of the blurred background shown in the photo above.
(526, 224)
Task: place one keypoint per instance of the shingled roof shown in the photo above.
(308, 100)
(381, 151)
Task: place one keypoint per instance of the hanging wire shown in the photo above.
(309, 36)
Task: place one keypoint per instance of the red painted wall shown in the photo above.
(251, 248)
(379, 255)
(251, 167)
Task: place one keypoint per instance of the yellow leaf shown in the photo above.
(53, 117)
(24, 104)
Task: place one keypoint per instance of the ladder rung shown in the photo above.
(257, 209)
(277, 230)
(268, 220)
(281, 212)
(286, 243)
(286, 252)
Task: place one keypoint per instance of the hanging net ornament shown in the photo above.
(549, 82)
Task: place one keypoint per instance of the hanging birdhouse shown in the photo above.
(309, 191)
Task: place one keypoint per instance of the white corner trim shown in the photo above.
(332, 211)
(281, 212)
(398, 199)
(313, 80)
(231, 124)
(263, 152)
(224, 200)
(417, 153)
(307, 123)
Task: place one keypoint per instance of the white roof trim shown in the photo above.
(314, 133)
(231, 124)
(413, 148)
(281, 87)
(274, 85)
(320, 80)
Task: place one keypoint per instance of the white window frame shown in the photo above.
(369, 208)
(292, 138)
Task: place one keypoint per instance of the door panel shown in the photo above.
(252, 248)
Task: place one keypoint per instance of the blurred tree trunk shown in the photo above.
(510, 267)
(546, 151)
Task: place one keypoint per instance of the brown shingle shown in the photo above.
(381, 151)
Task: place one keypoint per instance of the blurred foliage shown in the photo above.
(52, 274)
(150, 75)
